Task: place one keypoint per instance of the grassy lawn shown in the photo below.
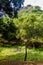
(17, 53)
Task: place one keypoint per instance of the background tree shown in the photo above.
(11, 6)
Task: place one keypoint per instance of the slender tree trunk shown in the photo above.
(26, 46)
(25, 54)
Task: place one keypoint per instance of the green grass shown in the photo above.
(18, 53)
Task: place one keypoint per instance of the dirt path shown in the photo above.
(20, 63)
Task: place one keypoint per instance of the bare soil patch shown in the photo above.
(20, 63)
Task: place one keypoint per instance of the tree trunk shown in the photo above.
(26, 46)
(25, 54)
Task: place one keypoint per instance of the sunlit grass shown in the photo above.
(18, 53)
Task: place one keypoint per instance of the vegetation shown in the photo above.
(10, 7)
(17, 54)
(26, 30)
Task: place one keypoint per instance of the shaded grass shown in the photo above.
(18, 53)
(34, 57)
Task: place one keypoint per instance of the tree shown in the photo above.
(25, 24)
(8, 30)
(11, 6)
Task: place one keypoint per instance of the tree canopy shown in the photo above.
(11, 7)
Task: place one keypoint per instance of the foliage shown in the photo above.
(26, 30)
(27, 27)
(11, 7)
